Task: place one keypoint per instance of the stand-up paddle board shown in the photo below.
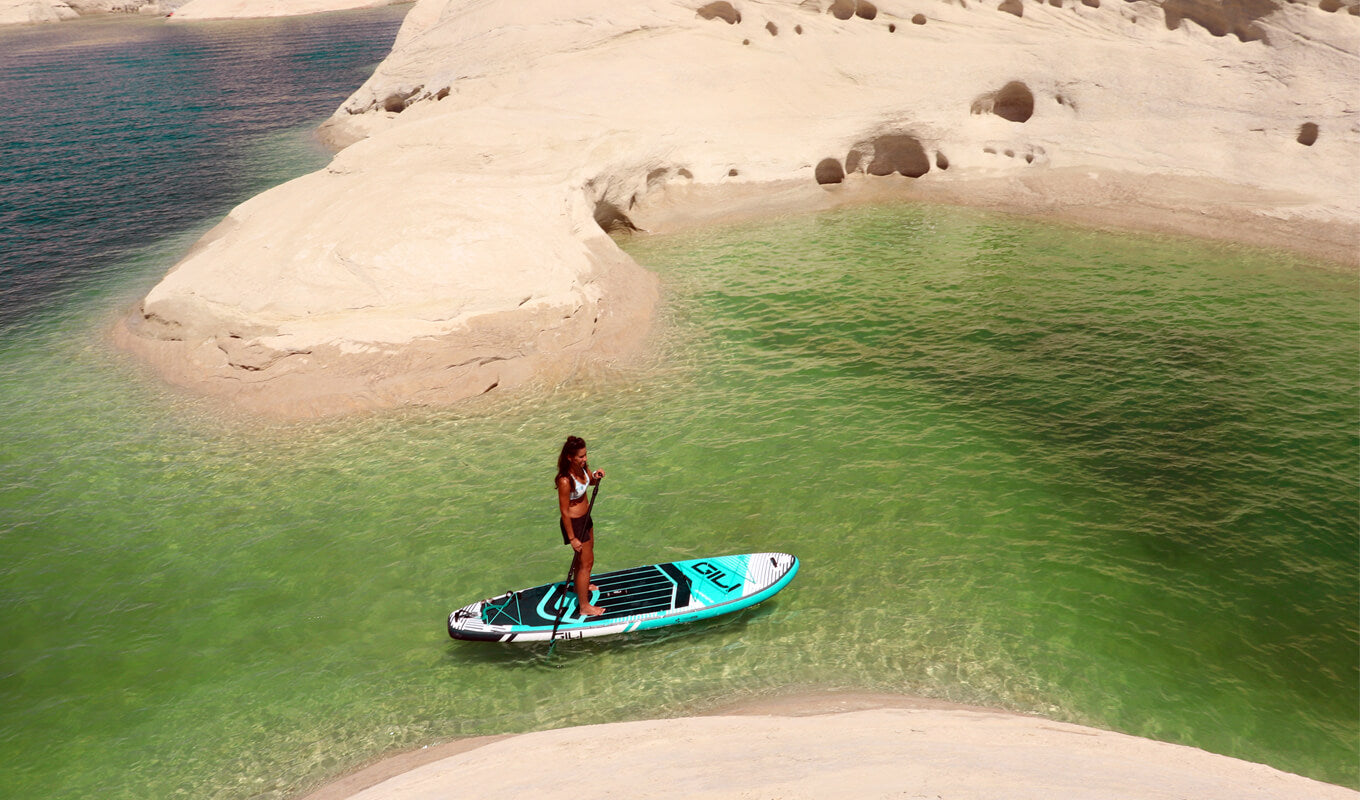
(634, 599)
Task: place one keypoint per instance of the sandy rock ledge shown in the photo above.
(877, 753)
(457, 243)
(29, 12)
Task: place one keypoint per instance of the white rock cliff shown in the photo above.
(28, 12)
(456, 244)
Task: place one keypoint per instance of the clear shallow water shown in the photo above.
(1108, 479)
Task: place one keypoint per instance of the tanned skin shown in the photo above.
(584, 560)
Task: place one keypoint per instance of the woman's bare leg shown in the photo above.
(583, 563)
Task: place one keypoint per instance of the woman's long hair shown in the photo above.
(571, 447)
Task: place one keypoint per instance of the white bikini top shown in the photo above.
(578, 489)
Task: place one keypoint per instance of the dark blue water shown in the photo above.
(120, 131)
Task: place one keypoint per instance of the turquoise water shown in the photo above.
(1108, 479)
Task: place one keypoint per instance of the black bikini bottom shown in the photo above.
(583, 527)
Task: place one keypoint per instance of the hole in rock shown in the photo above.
(865, 10)
(611, 218)
(919, 19)
(772, 28)
(1308, 133)
(398, 101)
(894, 152)
(842, 9)
(829, 170)
(721, 9)
(732, 173)
(1222, 17)
(1014, 102)
(1012, 7)
(941, 161)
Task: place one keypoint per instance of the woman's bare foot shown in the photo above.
(592, 611)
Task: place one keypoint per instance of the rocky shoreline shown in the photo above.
(32, 12)
(456, 244)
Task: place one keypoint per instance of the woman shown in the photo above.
(573, 480)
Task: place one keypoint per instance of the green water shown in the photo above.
(1107, 479)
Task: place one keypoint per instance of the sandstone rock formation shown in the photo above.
(241, 9)
(19, 12)
(92, 7)
(874, 753)
(457, 243)
(26, 12)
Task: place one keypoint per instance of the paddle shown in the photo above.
(566, 585)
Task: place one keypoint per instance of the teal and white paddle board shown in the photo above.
(634, 599)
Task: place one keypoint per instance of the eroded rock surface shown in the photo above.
(27, 12)
(457, 244)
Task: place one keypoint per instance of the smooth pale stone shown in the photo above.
(29, 12)
(481, 153)
(880, 753)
